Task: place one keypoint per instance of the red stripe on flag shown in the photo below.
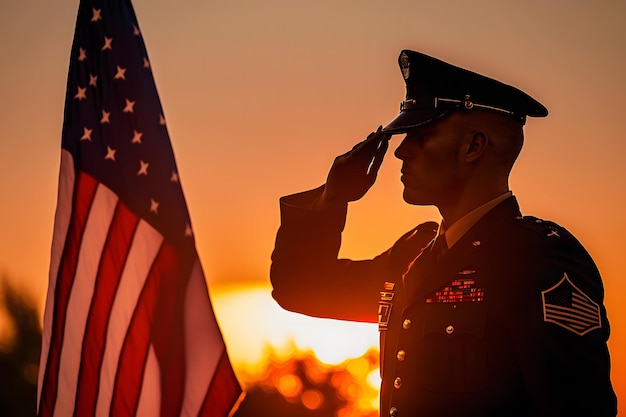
(84, 192)
(168, 337)
(224, 390)
(112, 263)
(134, 352)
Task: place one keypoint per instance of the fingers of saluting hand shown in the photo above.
(379, 154)
(374, 149)
(373, 137)
(371, 144)
(354, 172)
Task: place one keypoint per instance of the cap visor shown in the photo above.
(409, 119)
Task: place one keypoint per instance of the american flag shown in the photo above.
(129, 329)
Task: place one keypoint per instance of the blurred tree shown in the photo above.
(302, 386)
(19, 355)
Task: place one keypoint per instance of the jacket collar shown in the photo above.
(458, 229)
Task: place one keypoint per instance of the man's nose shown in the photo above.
(400, 151)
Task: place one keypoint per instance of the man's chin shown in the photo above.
(416, 200)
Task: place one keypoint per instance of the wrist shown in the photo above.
(326, 201)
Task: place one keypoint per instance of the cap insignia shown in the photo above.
(468, 103)
(404, 65)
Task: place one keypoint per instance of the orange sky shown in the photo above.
(261, 96)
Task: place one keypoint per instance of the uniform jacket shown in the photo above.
(509, 322)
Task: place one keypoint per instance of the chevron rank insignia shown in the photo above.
(567, 306)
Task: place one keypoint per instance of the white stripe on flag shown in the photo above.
(143, 251)
(81, 294)
(203, 342)
(61, 225)
(150, 388)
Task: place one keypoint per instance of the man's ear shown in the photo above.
(476, 146)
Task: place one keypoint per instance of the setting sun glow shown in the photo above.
(272, 338)
(332, 341)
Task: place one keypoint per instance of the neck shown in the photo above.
(463, 203)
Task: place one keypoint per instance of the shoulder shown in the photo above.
(417, 238)
(540, 229)
(547, 239)
(409, 245)
(549, 251)
(543, 235)
(557, 256)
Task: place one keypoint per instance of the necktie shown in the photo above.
(440, 247)
(420, 269)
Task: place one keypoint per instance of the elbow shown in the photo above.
(291, 294)
(277, 287)
(281, 291)
(283, 300)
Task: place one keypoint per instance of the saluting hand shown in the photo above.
(353, 173)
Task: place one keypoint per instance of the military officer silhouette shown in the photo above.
(490, 313)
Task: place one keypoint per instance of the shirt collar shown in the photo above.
(456, 230)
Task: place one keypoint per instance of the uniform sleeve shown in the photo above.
(306, 275)
(560, 330)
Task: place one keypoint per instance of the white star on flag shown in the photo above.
(86, 134)
(105, 117)
(120, 74)
(143, 168)
(130, 106)
(107, 43)
(136, 137)
(81, 94)
(154, 206)
(96, 15)
(110, 153)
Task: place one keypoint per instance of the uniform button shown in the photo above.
(397, 383)
(406, 324)
(450, 329)
(393, 412)
(400, 355)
